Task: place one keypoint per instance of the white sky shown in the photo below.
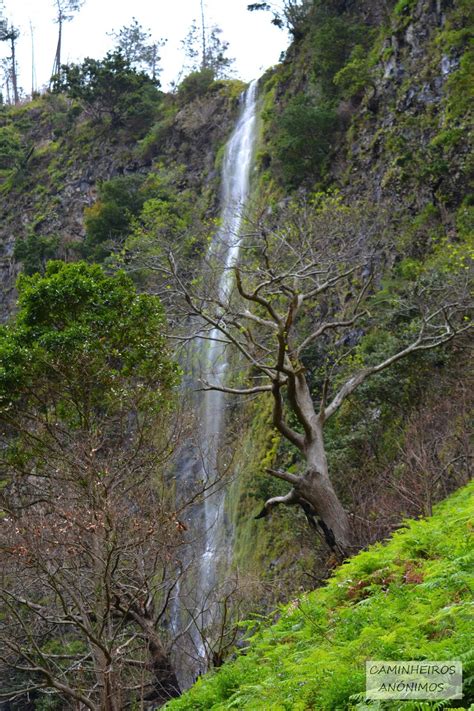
(254, 42)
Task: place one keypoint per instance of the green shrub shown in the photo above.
(195, 85)
(11, 150)
(404, 7)
(465, 219)
(334, 38)
(34, 252)
(304, 140)
(355, 76)
(149, 147)
(108, 221)
(112, 89)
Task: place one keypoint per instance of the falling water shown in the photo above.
(235, 189)
(209, 355)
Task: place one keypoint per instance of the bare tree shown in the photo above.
(65, 10)
(11, 34)
(88, 571)
(302, 298)
(436, 456)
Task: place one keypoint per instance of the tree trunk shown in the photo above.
(16, 98)
(166, 686)
(109, 694)
(316, 489)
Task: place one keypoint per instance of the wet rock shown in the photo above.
(449, 65)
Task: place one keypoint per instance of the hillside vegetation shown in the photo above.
(346, 323)
(408, 599)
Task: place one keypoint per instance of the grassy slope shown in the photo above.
(406, 599)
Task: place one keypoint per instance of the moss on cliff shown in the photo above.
(279, 551)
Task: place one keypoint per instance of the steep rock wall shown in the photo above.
(401, 139)
(64, 157)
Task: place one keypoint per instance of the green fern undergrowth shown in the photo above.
(406, 599)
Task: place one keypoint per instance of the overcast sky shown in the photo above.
(254, 42)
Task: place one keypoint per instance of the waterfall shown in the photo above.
(210, 358)
(235, 189)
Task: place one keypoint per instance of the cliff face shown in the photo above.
(409, 138)
(53, 159)
(396, 77)
(371, 101)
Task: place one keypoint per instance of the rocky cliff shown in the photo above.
(54, 157)
(370, 102)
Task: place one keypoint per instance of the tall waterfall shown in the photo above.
(235, 190)
(210, 359)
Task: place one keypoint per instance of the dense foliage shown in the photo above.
(78, 326)
(10, 147)
(196, 84)
(85, 398)
(108, 221)
(112, 89)
(303, 140)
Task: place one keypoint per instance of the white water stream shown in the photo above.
(212, 353)
(209, 357)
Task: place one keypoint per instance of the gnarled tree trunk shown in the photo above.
(314, 490)
(317, 490)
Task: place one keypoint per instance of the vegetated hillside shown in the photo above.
(408, 599)
(102, 156)
(371, 102)
(366, 122)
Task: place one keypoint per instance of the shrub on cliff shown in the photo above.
(111, 89)
(195, 85)
(303, 140)
(11, 150)
(108, 220)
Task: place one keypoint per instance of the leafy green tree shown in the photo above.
(69, 317)
(108, 221)
(112, 89)
(88, 542)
